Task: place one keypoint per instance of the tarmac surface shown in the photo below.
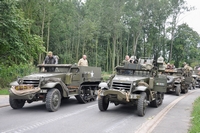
(4, 100)
(176, 119)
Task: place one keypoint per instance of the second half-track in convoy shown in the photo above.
(138, 84)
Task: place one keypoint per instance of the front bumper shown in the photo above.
(23, 94)
(120, 95)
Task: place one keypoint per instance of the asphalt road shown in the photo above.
(73, 117)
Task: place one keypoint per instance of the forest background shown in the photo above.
(104, 30)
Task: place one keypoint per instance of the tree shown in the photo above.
(185, 45)
(17, 44)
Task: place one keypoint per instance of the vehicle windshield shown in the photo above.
(132, 72)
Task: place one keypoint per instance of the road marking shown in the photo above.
(37, 124)
(118, 124)
(149, 125)
(92, 106)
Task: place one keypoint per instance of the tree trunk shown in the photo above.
(42, 33)
(127, 45)
(135, 40)
(96, 51)
(48, 34)
(174, 23)
(77, 48)
(113, 59)
(83, 47)
(107, 63)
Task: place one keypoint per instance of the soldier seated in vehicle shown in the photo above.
(187, 70)
(169, 66)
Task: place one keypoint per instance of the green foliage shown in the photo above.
(19, 48)
(4, 91)
(9, 74)
(196, 117)
(104, 30)
(106, 76)
(185, 45)
(17, 44)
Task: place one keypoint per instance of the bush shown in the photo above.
(9, 74)
(106, 76)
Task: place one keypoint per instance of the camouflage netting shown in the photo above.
(142, 83)
(24, 92)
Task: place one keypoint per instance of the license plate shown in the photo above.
(23, 87)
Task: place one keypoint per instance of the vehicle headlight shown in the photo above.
(42, 81)
(134, 83)
(103, 85)
(20, 81)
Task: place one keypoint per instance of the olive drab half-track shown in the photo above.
(66, 81)
(196, 78)
(179, 80)
(138, 84)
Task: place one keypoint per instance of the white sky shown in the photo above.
(192, 18)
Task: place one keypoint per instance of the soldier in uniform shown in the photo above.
(126, 60)
(83, 61)
(187, 69)
(50, 59)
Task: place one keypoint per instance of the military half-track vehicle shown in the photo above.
(178, 80)
(196, 78)
(134, 84)
(66, 81)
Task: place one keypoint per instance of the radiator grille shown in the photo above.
(118, 86)
(35, 83)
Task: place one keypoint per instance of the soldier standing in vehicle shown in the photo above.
(126, 60)
(83, 61)
(50, 59)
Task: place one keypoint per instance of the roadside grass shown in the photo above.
(4, 91)
(195, 128)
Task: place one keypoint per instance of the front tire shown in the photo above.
(185, 89)
(16, 103)
(141, 106)
(53, 100)
(103, 103)
(178, 90)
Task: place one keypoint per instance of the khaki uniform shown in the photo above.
(82, 62)
(125, 62)
(186, 67)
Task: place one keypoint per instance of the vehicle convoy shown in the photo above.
(135, 84)
(66, 81)
(178, 80)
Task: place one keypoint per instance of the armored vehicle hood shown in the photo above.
(171, 78)
(44, 75)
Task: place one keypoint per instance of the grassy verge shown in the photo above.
(195, 128)
(4, 91)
